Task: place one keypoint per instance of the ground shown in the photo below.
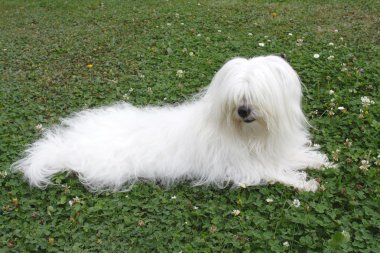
(57, 57)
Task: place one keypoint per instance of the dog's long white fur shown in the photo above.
(204, 140)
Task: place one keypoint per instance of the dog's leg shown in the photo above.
(311, 160)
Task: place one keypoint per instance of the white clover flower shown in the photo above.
(377, 162)
(286, 244)
(39, 127)
(219, 31)
(169, 24)
(348, 143)
(344, 69)
(74, 201)
(331, 112)
(195, 207)
(262, 44)
(191, 54)
(182, 24)
(331, 57)
(290, 34)
(364, 165)
(250, 34)
(331, 92)
(141, 223)
(141, 76)
(346, 235)
(336, 30)
(341, 108)
(331, 44)
(130, 90)
(296, 203)
(269, 200)
(316, 56)
(335, 155)
(3, 174)
(180, 73)
(299, 42)
(366, 101)
(361, 115)
(236, 212)
(173, 197)
(199, 35)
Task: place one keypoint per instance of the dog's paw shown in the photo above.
(320, 162)
(309, 186)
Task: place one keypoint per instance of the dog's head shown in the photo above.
(263, 91)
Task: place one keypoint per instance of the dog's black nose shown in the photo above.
(244, 111)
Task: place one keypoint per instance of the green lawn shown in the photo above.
(57, 57)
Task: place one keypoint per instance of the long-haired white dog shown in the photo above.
(246, 128)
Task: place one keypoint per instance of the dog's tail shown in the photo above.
(41, 161)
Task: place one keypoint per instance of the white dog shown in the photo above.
(246, 128)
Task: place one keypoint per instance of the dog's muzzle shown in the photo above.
(246, 114)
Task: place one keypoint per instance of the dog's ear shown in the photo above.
(283, 56)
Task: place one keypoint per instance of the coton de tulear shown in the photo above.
(246, 128)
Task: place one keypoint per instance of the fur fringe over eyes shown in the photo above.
(247, 128)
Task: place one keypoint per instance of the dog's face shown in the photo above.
(261, 90)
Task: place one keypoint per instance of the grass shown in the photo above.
(57, 57)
